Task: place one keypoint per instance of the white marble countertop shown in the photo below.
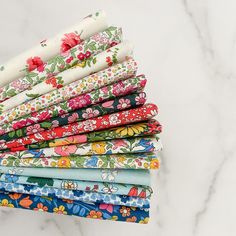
(187, 49)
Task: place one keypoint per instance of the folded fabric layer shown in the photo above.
(102, 122)
(76, 195)
(117, 53)
(137, 177)
(48, 78)
(111, 106)
(77, 208)
(149, 127)
(116, 161)
(87, 186)
(115, 146)
(108, 92)
(48, 48)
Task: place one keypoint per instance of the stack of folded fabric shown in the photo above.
(76, 136)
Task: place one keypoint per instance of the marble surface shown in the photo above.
(188, 51)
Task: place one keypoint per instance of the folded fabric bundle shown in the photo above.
(120, 88)
(131, 190)
(75, 103)
(76, 195)
(114, 146)
(107, 107)
(122, 176)
(48, 48)
(150, 127)
(118, 53)
(50, 78)
(76, 208)
(102, 122)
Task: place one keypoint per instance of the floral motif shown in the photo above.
(34, 129)
(64, 162)
(135, 129)
(41, 207)
(90, 113)
(67, 184)
(74, 103)
(125, 211)
(99, 147)
(65, 150)
(124, 103)
(98, 123)
(35, 63)
(6, 203)
(69, 41)
(77, 208)
(74, 51)
(95, 214)
(60, 210)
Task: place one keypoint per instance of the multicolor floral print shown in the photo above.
(122, 176)
(116, 146)
(116, 161)
(108, 92)
(119, 52)
(150, 127)
(78, 115)
(102, 122)
(47, 78)
(95, 81)
(76, 208)
(76, 195)
(31, 60)
(87, 186)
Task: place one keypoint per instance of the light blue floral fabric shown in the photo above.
(88, 186)
(129, 176)
(76, 195)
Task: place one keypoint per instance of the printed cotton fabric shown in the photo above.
(76, 195)
(108, 92)
(36, 57)
(122, 176)
(117, 53)
(56, 73)
(76, 208)
(116, 161)
(110, 106)
(102, 122)
(115, 146)
(150, 127)
(87, 186)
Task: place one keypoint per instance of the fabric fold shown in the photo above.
(115, 161)
(34, 58)
(110, 106)
(122, 176)
(143, 113)
(57, 72)
(150, 127)
(87, 186)
(76, 208)
(116, 146)
(76, 195)
(77, 94)
(116, 54)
